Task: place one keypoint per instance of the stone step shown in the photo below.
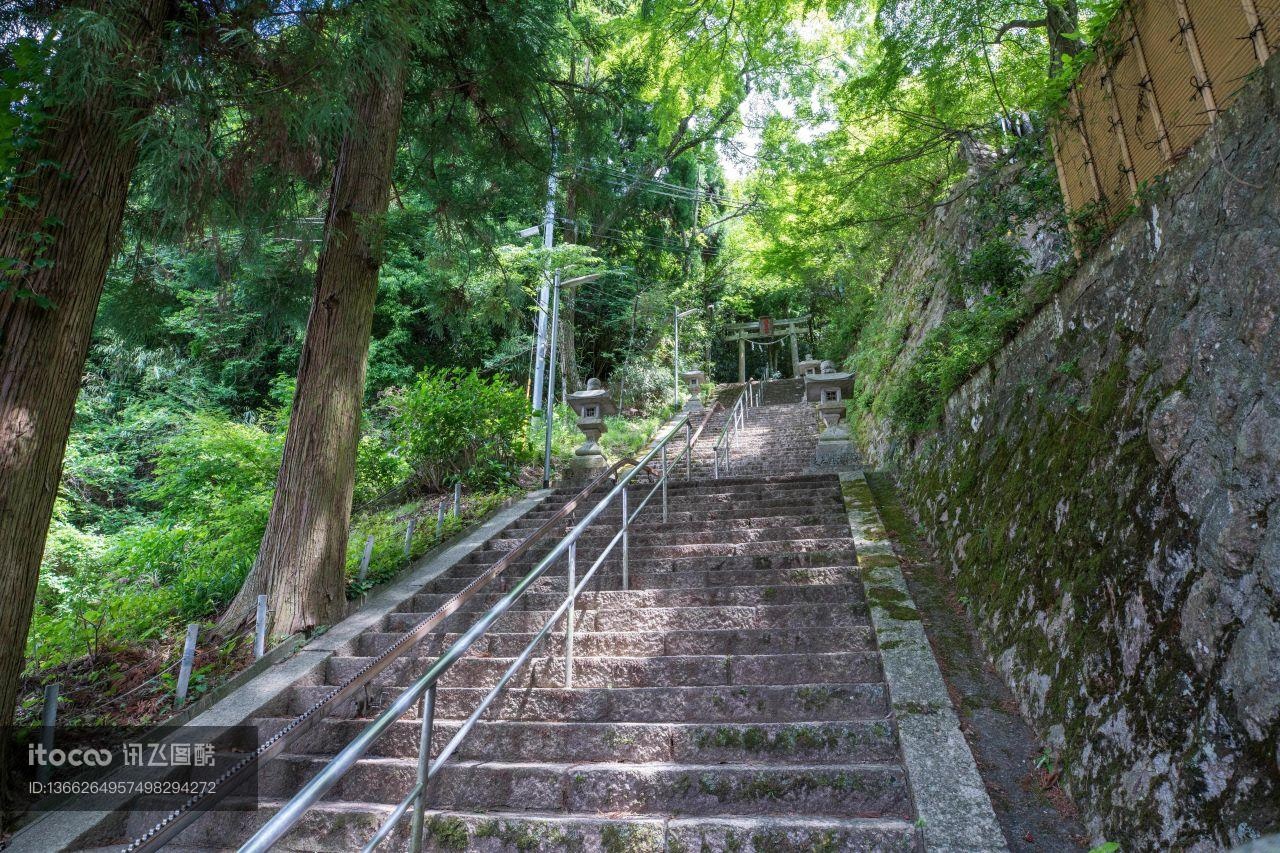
(846, 790)
(327, 827)
(855, 741)
(659, 671)
(709, 596)
(728, 535)
(642, 553)
(642, 643)
(676, 580)
(652, 524)
(746, 515)
(783, 616)
(736, 493)
(729, 488)
(794, 703)
(843, 556)
(340, 826)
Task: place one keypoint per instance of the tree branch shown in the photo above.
(1019, 24)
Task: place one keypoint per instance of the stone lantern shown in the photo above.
(828, 390)
(591, 405)
(808, 366)
(693, 380)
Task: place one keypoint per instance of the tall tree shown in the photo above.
(302, 558)
(58, 233)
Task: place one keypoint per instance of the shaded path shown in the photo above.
(1034, 813)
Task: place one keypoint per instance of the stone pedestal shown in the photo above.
(591, 405)
(693, 380)
(586, 465)
(828, 390)
(834, 446)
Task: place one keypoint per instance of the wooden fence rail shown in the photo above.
(1164, 71)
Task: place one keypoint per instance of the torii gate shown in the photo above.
(743, 332)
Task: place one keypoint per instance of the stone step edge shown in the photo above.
(950, 797)
(743, 822)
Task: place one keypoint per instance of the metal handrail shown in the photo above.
(174, 822)
(729, 434)
(424, 689)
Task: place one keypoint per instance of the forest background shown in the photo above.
(763, 158)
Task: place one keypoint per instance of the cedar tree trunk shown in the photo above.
(77, 176)
(301, 562)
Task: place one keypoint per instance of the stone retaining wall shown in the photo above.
(1107, 493)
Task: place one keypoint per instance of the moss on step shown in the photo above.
(448, 832)
(630, 838)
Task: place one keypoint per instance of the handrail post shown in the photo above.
(664, 484)
(568, 624)
(688, 452)
(626, 580)
(424, 765)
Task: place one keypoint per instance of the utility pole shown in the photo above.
(675, 362)
(544, 293)
(549, 420)
(691, 247)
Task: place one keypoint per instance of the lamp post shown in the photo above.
(551, 368)
(675, 367)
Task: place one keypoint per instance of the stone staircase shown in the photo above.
(777, 439)
(732, 699)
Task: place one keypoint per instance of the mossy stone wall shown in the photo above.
(1107, 494)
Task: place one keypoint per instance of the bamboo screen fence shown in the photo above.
(1164, 71)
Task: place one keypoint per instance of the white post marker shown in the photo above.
(365, 558)
(457, 499)
(260, 628)
(408, 537)
(188, 661)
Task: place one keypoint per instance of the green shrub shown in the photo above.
(996, 268)
(378, 469)
(947, 357)
(454, 426)
(214, 480)
(644, 381)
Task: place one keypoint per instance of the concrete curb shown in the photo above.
(64, 830)
(951, 800)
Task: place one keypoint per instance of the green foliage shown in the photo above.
(947, 357)
(457, 426)
(625, 436)
(996, 268)
(213, 480)
(388, 528)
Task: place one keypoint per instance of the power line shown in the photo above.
(666, 189)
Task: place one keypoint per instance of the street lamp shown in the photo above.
(551, 367)
(675, 367)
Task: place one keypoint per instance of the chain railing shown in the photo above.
(723, 452)
(423, 691)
